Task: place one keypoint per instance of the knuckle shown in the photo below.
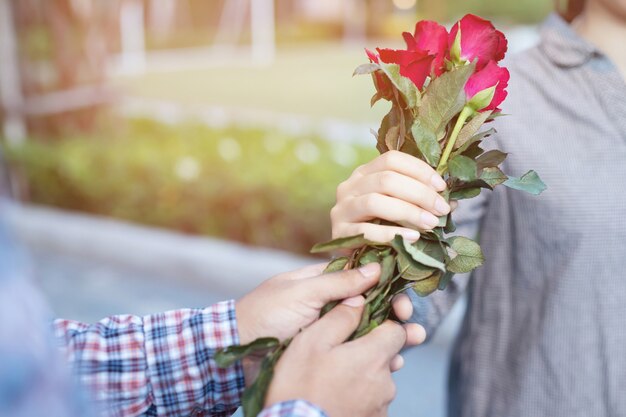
(370, 203)
(341, 190)
(334, 213)
(392, 158)
(386, 180)
(358, 170)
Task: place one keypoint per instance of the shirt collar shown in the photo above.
(563, 45)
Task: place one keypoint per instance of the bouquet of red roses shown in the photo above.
(443, 87)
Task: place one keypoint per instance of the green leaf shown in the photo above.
(473, 150)
(463, 168)
(455, 50)
(228, 356)
(344, 243)
(387, 268)
(366, 69)
(445, 280)
(417, 256)
(391, 119)
(415, 272)
(377, 96)
(392, 138)
(450, 227)
(468, 257)
(529, 182)
(482, 98)
(369, 257)
(253, 398)
(493, 176)
(427, 286)
(470, 129)
(337, 264)
(490, 159)
(406, 87)
(409, 146)
(444, 98)
(427, 143)
(465, 193)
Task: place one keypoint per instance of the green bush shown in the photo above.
(254, 186)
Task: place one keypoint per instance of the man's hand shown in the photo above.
(343, 379)
(281, 306)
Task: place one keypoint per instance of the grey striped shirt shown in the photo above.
(545, 329)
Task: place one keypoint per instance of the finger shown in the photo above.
(375, 232)
(454, 205)
(385, 341)
(337, 325)
(415, 334)
(400, 186)
(378, 206)
(342, 284)
(404, 164)
(304, 272)
(396, 363)
(402, 307)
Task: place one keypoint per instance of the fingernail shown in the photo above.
(438, 182)
(441, 206)
(411, 235)
(354, 301)
(429, 220)
(369, 270)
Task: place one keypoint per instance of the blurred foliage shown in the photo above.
(250, 185)
(512, 11)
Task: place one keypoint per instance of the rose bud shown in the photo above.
(430, 37)
(486, 89)
(473, 38)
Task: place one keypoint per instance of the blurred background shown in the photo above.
(170, 153)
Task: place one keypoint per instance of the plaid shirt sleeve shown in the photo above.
(157, 365)
(297, 408)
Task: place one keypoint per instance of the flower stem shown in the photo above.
(443, 162)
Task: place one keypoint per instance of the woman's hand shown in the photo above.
(396, 187)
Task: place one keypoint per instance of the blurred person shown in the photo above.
(161, 364)
(544, 332)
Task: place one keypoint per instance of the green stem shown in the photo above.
(443, 162)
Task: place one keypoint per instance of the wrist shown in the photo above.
(245, 323)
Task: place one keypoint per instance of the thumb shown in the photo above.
(338, 324)
(343, 284)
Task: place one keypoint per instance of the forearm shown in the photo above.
(159, 362)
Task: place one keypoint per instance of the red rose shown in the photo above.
(414, 65)
(430, 37)
(486, 89)
(479, 39)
